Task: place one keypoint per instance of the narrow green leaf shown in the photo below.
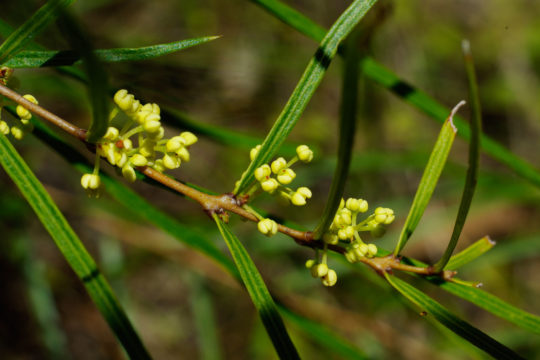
(429, 180)
(484, 300)
(323, 336)
(474, 159)
(387, 79)
(71, 247)
(33, 26)
(468, 332)
(98, 88)
(293, 18)
(259, 294)
(470, 253)
(31, 59)
(134, 203)
(347, 130)
(493, 304)
(305, 88)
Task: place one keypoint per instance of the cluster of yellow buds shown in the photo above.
(322, 271)
(268, 227)
(23, 126)
(346, 227)
(284, 175)
(151, 148)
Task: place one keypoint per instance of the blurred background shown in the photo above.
(185, 306)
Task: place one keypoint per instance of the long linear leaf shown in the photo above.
(485, 300)
(259, 294)
(31, 27)
(31, 59)
(135, 203)
(306, 87)
(429, 180)
(470, 253)
(347, 130)
(493, 304)
(98, 88)
(452, 322)
(387, 79)
(71, 247)
(474, 160)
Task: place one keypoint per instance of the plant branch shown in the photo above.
(219, 204)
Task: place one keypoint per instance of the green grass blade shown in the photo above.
(293, 18)
(306, 87)
(474, 159)
(323, 336)
(486, 301)
(452, 322)
(494, 305)
(429, 180)
(71, 247)
(259, 294)
(32, 59)
(33, 26)
(347, 130)
(387, 79)
(470, 253)
(98, 88)
(134, 203)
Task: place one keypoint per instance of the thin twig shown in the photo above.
(227, 202)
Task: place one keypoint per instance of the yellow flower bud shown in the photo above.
(286, 176)
(31, 98)
(129, 173)
(171, 161)
(124, 100)
(17, 132)
(319, 270)
(330, 238)
(253, 152)
(189, 138)
(371, 250)
(330, 278)
(138, 160)
(262, 172)
(120, 158)
(90, 181)
(4, 127)
(268, 227)
(111, 134)
(304, 153)
(128, 144)
(23, 113)
(310, 263)
(269, 185)
(304, 191)
(152, 126)
(175, 143)
(278, 165)
(298, 199)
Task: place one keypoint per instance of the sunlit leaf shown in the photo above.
(259, 294)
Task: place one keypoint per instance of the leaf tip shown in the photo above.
(453, 113)
(490, 241)
(466, 46)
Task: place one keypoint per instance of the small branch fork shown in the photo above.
(220, 204)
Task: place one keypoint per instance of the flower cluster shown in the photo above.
(322, 271)
(284, 175)
(346, 228)
(23, 126)
(151, 148)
